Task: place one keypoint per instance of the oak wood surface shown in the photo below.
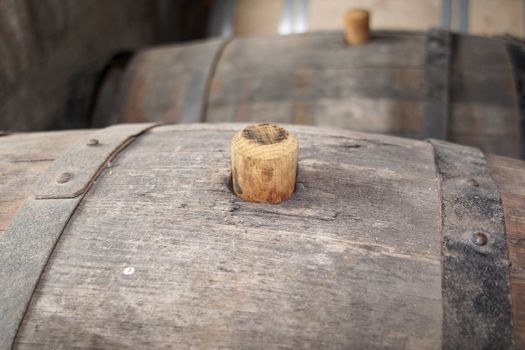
(316, 79)
(510, 177)
(160, 253)
(353, 258)
(484, 109)
(169, 84)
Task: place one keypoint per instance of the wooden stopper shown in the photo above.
(264, 163)
(357, 29)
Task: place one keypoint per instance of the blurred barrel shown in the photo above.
(169, 83)
(456, 87)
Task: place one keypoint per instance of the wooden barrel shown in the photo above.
(456, 87)
(130, 237)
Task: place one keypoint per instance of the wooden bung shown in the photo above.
(264, 163)
(356, 24)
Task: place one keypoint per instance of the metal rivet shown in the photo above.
(63, 178)
(479, 239)
(92, 142)
(128, 271)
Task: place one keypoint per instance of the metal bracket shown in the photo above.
(71, 173)
(31, 237)
(475, 281)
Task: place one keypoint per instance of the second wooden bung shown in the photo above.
(264, 163)
(356, 24)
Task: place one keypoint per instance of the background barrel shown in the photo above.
(457, 87)
(158, 242)
(55, 54)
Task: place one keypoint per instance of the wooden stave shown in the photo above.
(509, 175)
(491, 162)
(297, 79)
(175, 93)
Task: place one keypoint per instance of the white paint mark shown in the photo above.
(128, 271)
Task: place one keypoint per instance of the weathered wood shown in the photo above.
(32, 234)
(484, 109)
(295, 87)
(414, 85)
(510, 177)
(496, 144)
(169, 84)
(264, 163)
(161, 252)
(317, 79)
(23, 158)
(352, 259)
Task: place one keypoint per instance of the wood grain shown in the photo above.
(169, 84)
(23, 158)
(510, 177)
(398, 84)
(160, 253)
(316, 79)
(484, 110)
(264, 163)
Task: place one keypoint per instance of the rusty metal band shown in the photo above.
(516, 52)
(475, 264)
(438, 45)
(27, 244)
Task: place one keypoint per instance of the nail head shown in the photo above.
(63, 178)
(479, 239)
(92, 142)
